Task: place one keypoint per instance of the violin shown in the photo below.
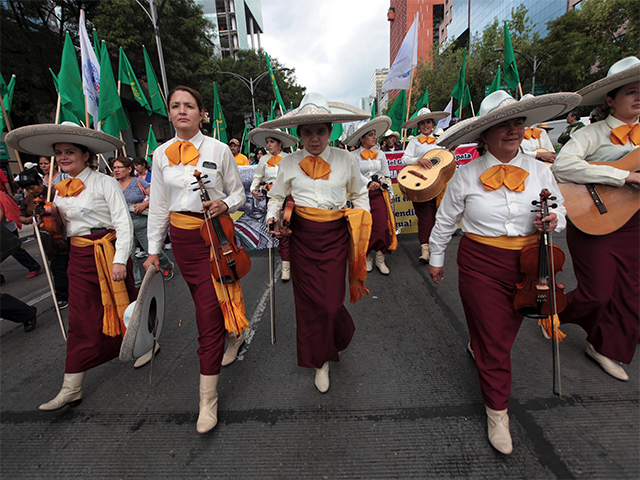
(48, 214)
(539, 295)
(283, 223)
(230, 262)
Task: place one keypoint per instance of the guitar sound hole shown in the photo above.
(418, 185)
(403, 177)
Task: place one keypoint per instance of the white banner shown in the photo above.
(399, 77)
(90, 71)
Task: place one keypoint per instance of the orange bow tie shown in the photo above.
(429, 139)
(315, 167)
(69, 187)
(623, 133)
(274, 161)
(532, 132)
(509, 175)
(182, 152)
(369, 154)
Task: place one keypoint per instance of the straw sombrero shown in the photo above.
(620, 74)
(391, 133)
(424, 114)
(259, 136)
(544, 126)
(314, 108)
(39, 139)
(379, 124)
(500, 106)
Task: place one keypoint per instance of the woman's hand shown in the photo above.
(552, 218)
(140, 207)
(548, 157)
(152, 260)
(425, 162)
(119, 272)
(278, 231)
(374, 186)
(633, 178)
(256, 194)
(215, 208)
(437, 273)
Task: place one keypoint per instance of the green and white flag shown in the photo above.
(110, 112)
(126, 75)
(155, 96)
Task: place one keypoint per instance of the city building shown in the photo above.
(471, 17)
(401, 14)
(238, 24)
(377, 79)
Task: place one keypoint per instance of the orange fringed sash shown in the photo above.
(359, 222)
(235, 319)
(391, 221)
(115, 298)
(546, 324)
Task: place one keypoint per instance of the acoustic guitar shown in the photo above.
(421, 184)
(601, 209)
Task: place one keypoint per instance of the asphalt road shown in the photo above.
(404, 400)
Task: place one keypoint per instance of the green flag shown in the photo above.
(373, 109)
(245, 139)
(3, 87)
(423, 101)
(466, 100)
(258, 120)
(510, 68)
(96, 44)
(70, 85)
(64, 115)
(398, 111)
(110, 112)
(274, 85)
(155, 97)
(336, 132)
(272, 113)
(126, 75)
(495, 86)
(458, 89)
(152, 144)
(7, 99)
(219, 129)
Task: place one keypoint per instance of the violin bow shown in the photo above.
(272, 286)
(36, 230)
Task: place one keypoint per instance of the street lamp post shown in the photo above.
(533, 61)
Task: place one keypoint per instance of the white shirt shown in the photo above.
(100, 204)
(377, 166)
(491, 213)
(265, 173)
(529, 146)
(592, 144)
(330, 194)
(172, 186)
(416, 150)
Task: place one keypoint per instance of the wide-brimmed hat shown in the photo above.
(620, 74)
(544, 126)
(500, 106)
(425, 114)
(391, 133)
(379, 124)
(314, 108)
(259, 136)
(40, 139)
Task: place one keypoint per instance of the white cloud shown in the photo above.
(334, 45)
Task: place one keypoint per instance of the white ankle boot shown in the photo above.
(380, 263)
(424, 253)
(498, 427)
(612, 368)
(286, 271)
(231, 353)
(322, 378)
(208, 417)
(370, 258)
(71, 392)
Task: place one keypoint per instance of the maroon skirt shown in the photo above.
(426, 214)
(606, 303)
(487, 279)
(87, 346)
(319, 253)
(192, 255)
(380, 239)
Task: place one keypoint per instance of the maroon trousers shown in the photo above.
(487, 279)
(283, 249)
(318, 270)
(380, 236)
(606, 303)
(87, 346)
(192, 255)
(426, 213)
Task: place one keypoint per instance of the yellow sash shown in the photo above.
(391, 221)
(505, 242)
(235, 319)
(359, 223)
(115, 297)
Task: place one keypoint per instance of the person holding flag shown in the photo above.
(426, 121)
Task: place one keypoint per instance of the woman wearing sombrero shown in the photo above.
(325, 235)
(607, 267)
(96, 218)
(375, 169)
(266, 171)
(174, 204)
(426, 121)
(491, 197)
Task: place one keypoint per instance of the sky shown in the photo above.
(334, 45)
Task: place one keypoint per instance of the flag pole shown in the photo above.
(473, 111)
(57, 117)
(8, 123)
(520, 87)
